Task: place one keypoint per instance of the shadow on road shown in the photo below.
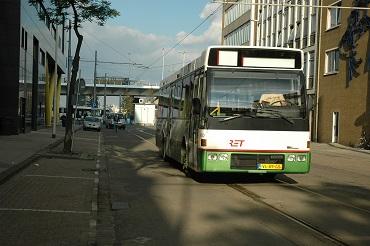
(164, 207)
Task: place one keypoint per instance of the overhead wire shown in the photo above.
(185, 37)
(108, 45)
(291, 5)
(146, 68)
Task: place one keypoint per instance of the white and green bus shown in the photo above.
(237, 109)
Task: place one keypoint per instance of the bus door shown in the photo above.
(197, 92)
(168, 124)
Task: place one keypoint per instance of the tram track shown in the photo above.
(316, 230)
(325, 235)
(305, 189)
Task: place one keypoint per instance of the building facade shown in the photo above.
(343, 98)
(27, 61)
(293, 24)
(239, 23)
(277, 23)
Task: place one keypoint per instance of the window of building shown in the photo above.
(313, 24)
(334, 16)
(240, 36)
(299, 12)
(311, 69)
(42, 57)
(279, 39)
(292, 16)
(280, 18)
(291, 35)
(305, 64)
(311, 64)
(236, 10)
(314, 9)
(286, 15)
(24, 39)
(332, 60)
(298, 36)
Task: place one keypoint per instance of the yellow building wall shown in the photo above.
(336, 93)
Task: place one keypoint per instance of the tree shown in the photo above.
(80, 11)
(127, 105)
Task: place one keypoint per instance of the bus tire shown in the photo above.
(270, 176)
(185, 160)
(163, 149)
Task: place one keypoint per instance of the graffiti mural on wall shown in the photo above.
(358, 24)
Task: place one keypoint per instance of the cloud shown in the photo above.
(124, 44)
(210, 36)
(208, 9)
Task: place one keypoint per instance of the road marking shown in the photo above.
(99, 143)
(88, 139)
(143, 139)
(44, 210)
(145, 132)
(61, 177)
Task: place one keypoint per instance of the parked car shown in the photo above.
(91, 122)
(121, 124)
(108, 121)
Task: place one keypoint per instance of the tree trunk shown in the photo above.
(75, 67)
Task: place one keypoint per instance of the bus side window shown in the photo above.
(186, 100)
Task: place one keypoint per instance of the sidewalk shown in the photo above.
(336, 145)
(47, 197)
(18, 150)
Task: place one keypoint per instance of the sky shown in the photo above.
(143, 30)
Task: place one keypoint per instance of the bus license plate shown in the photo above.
(267, 166)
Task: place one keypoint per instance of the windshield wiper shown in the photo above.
(235, 116)
(276, 113)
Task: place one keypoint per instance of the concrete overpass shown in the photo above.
(116, 90)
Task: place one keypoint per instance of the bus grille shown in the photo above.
(246, 161)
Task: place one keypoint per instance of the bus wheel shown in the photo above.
(185, 161)
(270, 176)
(163, 150)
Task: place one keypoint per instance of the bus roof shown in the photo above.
(242, 57)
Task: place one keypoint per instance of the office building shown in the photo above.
(276, 23)
(343, 90)
(27, 59)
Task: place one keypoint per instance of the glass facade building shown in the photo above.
(27, 62)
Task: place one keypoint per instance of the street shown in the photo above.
(154, 203)
(143, 200)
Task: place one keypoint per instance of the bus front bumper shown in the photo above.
(248, 162)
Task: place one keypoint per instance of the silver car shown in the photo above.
(91, 122)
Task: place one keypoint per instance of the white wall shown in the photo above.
(145, 114)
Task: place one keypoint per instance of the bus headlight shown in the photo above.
(223, 157)
(301, 158)
(212, 157)
(218, 157)
(291, 157)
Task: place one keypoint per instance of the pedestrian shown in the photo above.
(63, 118)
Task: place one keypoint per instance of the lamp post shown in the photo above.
(162, 63)
(54, 134)
(105, 95)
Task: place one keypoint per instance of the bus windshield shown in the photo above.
(258, 94)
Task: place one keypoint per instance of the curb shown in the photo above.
(349, 148)
(92, 241)
(5, 175)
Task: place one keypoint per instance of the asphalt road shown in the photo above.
(146, 201)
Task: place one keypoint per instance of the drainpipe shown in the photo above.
(318, 63)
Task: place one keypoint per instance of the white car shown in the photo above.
(121, 124)
(91, 122)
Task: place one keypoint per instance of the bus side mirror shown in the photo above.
(196, 106)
